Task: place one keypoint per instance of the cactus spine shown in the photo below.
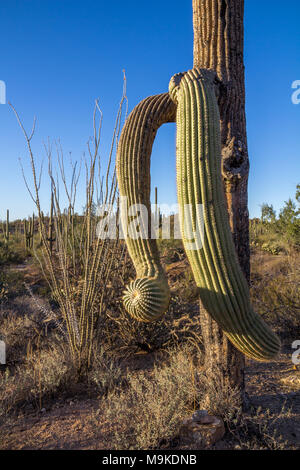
(213, 259)
(146, 298)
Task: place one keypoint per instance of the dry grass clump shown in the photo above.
(24, 321)
(124, 335)
(12, 252)
(43, 373)
(106, 372)
(258, 430)
(48, 371)
(219, 398)
(16, 332)
(148, 412)
(276, 295)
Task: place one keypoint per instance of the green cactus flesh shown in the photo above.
(213, 259)
(147, 297)
(222, 286)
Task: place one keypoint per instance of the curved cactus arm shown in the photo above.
(147, 298)
(222, 286)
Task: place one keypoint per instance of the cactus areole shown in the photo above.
(222, 287)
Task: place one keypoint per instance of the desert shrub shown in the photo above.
(188, 287)
(171, 250)
(271, 247)
(289, 221)
(42, 374)
(106, 372)
(16, 332)
(123, 334)
(277, 296)
(258, 430)
(219, 398)
(11, 253)
(277, 234)
(3, 287)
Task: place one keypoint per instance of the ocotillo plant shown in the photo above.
(51, 238)
(158, 215)
(212, 256)
(79, 270)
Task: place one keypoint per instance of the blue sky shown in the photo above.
(58, 56)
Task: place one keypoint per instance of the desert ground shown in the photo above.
(146, 378)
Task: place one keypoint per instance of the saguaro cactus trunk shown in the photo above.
(218, 46)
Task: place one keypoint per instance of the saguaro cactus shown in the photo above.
(28, 233)
(146, 298)
(222, 286)
(6, 230)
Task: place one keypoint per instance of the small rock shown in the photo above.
(199, 414)
(201, 430)
(202, 417)
(43, 410)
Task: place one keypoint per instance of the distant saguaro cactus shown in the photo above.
(222, 286)
(28, 232)
(6, 231)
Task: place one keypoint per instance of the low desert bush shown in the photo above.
(43, 373)
(106, 372)
(11, 253)
(3, 287)
(258, 430)
(125, 335)
(219, 398)
(276, 296)
(150, 409)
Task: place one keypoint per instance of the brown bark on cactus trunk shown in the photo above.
(218, 46)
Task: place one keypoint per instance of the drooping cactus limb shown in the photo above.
(222, 286)
(147, 298)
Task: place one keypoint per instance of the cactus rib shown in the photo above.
(222, 286)
(147, 297)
